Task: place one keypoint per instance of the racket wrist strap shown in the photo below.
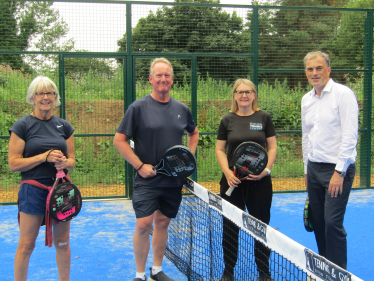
(268, 170)
(140, 167)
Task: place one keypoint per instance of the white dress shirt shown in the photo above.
(330, 126)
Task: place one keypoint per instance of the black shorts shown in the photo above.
(146, 200)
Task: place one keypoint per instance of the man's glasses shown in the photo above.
(41, 95)
(241, 93)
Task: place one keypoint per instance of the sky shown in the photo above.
(97, 27)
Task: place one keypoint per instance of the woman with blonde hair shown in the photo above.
(40, 144)
(245, 122)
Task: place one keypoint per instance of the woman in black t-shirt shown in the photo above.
(40, 144)
(245, 122)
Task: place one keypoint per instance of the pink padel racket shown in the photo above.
(64, 200)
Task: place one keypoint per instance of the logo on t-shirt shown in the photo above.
(179, 117)
(59, 126)
(255, 126)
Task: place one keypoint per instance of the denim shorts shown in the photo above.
(32, 200)
(146, 200)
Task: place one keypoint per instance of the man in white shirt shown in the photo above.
(330, 131)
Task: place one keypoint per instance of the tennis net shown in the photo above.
(195, 245)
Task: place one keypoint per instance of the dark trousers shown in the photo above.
(257, 197)
(328, 212)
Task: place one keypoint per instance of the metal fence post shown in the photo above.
(194, 98)
(61, 78)
(254, 46)
(129, 95)
(365, 152)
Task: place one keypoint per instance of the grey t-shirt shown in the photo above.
(155, 127)
(41, 136)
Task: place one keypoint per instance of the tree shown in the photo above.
(348, 44)
(287, 35)
(50, 33)
(32, 26)
(13, 36)
(192, 29)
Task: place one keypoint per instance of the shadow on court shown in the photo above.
(101, 239)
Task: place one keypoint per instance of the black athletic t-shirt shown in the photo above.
(155, 127)
(41, 136)
(237, 129)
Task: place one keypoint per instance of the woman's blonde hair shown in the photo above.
(41, 82)
(234, 105)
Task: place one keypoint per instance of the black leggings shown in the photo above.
(257, 197)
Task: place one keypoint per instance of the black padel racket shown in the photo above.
(307, 216)
(178, 161)
(64, 200)
(249, 158)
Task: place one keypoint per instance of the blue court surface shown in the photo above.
(101, 239)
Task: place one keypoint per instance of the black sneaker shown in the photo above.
(161, 276)
(140, 279)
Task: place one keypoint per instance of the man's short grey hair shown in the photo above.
(315, 54)
(156, 60)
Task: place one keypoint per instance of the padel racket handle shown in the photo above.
(230, 190)
(60, 174)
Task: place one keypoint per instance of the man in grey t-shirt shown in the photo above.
(155, 122)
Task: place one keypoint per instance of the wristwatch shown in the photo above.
(341, 173)
(267, 170)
